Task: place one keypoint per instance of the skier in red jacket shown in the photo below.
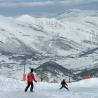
(30, 80)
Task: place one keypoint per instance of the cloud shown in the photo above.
(75, 2)
(25, 4)
(40, 3)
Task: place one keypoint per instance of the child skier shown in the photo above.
(30, 80)
(64, 84)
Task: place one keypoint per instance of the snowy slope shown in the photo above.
(10, 88)
(82, 23)
(66, 26)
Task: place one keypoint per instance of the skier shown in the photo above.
(64, 84)
(30, 80)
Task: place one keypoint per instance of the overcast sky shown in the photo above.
(44, 7)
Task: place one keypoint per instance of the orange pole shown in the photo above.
(24, 74)
(24, 77)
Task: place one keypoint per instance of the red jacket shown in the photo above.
(31, 77)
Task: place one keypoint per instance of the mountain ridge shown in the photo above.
(33, 41)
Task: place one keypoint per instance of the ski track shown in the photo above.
(52, 91)
(11, 88)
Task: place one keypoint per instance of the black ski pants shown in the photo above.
(63, 86)
(28, 85)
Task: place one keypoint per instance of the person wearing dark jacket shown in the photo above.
(30, 79)
(64, 84)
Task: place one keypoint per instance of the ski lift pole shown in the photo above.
(16, 71)
(69, 78)
(24, 73)
(42, 75)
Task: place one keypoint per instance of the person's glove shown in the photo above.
(35, 80)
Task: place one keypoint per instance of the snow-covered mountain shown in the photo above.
(69, 39)
(53, 72)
